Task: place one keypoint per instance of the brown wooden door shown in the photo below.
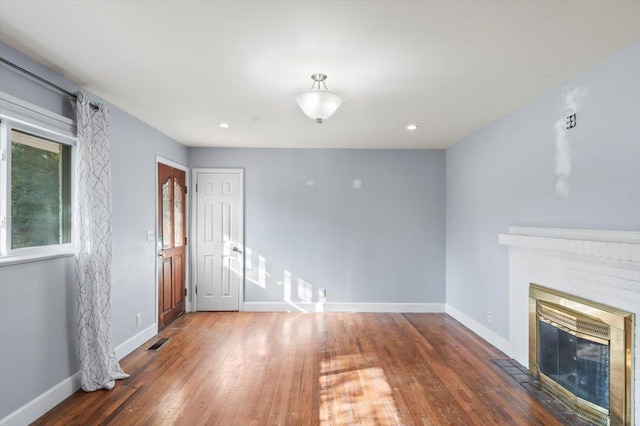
(172, 241)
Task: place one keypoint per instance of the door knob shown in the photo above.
(160, 254)
(237, 250)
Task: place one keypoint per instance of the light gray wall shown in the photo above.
(383, 242)
(504, 175)
(37, 311)
(37, 322)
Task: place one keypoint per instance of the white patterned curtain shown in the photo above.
(92, 241)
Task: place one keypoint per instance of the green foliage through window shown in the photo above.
(40, 191)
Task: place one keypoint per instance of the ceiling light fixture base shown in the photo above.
(319, 77)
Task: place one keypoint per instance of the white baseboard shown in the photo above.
(342, 307)
(43, 403)
(38, 406)
(135, 341)
(499, 342)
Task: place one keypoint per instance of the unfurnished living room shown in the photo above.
(319, 212)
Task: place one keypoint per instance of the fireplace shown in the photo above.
(580, 351)
(590, 265)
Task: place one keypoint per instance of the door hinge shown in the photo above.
(196, 187)
(196, 289)
(185, 292)
(3, 154)
(185, 241)
(186, 190)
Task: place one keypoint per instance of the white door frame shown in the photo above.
(185, 169)
(194, 230)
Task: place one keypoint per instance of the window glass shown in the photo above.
(40, 191)
(167, 241)
(178, 220)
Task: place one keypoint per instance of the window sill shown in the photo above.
(16, 259)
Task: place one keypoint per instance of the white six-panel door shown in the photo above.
(219, 218)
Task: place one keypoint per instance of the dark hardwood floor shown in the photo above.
(307, 369)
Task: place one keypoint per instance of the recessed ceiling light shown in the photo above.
(224, 125)
(412, 127)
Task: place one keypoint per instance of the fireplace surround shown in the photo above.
(591, 265)
(580, 351)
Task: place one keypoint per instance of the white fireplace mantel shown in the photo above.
(602, 266)
(608, 245)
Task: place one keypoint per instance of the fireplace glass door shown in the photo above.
(578, 364)
(581, 352)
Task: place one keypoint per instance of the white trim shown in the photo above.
(171, 163)
(134, 342)
(19, 111)
(5, 187)
(489, 336)
(343, 307)
(35, 408)
(612, 248)
(194, 230)
(44, 402)
(54, 252)
(244, 259)
(26, 117)
(193, 237)
(577, 234)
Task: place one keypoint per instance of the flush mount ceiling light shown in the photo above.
(224, 125)
(412, 126)
(319, 104)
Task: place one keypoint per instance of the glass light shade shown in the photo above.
(318, 104)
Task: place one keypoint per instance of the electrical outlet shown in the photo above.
(151, 236)
(571, 121)
(488, 316)
(322, 295)
(138, 319)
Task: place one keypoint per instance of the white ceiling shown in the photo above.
(452, 67)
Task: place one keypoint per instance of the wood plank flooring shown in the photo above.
(310, 369)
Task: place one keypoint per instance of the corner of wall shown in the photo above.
(486, 334)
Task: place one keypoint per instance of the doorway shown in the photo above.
(219, 239)
(172, 241)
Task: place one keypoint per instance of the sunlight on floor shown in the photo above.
(171, 404)
(352, 395)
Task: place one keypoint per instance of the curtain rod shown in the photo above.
(37, 77)
(43, 81)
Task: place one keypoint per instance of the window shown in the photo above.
(40, 191)
(35, 180)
